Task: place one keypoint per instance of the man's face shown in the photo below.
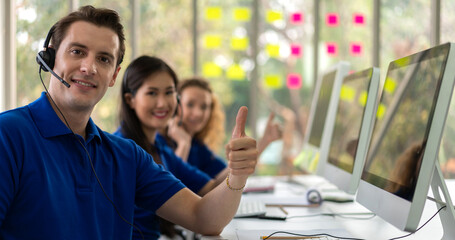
(86, 59)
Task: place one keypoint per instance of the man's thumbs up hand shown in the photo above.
(241, 151)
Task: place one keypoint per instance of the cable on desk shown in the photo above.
(407, 235)
(309, 235)
(342, 215)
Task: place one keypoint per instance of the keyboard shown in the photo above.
(250, 208)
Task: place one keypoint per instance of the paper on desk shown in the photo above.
(257, 234)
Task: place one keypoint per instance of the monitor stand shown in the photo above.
(447, 214)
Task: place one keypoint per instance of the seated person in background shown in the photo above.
(149, 101)
(198, 130)
(62, 177)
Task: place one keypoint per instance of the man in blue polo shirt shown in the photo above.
(61, 177)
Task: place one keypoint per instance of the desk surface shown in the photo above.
(372, 228)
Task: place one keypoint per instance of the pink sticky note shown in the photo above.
(296, 50)
(356, 48)
(294, 81)
(332, 19)
(358, 18)
(297, 18)
(332, 49)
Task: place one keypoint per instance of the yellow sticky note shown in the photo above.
(235, 72)
(242, 14)
(347, 93)
(381, 111)
(210, 69)
(273, 16)
(239, 43)
(389, 85)
(273, 81)
(213, 13)
(212, 41)
(273, 50)
(363, 98)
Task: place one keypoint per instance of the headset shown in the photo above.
(46, 58)
(314, 196)
(126, 89)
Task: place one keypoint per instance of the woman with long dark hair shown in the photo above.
(149, 101)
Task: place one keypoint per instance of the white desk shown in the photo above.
(373, 228)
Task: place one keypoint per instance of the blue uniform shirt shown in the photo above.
(48, 189)
(202, 158)
(193, 178)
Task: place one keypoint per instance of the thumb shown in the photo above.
(240, 122)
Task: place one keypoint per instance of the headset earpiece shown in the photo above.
(179, 105)
(47, 54)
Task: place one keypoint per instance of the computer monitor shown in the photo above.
(405, 140)
(352, 130)
(322, 116)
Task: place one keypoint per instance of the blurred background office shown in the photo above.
(265, 54)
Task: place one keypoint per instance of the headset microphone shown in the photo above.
(46, 67)
(46, 58)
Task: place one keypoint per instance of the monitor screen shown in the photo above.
(352, 129)
(405, 141)
(348, 120)
(322, 106)
(321, 119)
(403, 119)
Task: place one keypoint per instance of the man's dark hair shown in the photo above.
(102, 17)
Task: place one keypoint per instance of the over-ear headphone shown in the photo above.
(46, 58)
(47, 54)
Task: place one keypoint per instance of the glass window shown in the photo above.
(225, 57)
(34, 19)
(346, 33)
(402, 33)
(447, 152)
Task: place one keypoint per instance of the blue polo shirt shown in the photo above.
(48, 189)
(202, 158)
(192, 177)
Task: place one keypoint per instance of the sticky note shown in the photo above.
(294, 81)
(296, 50)
(273, 81)
(239, 43)
(390, 85)
(273, 50)
(332, 49)
(242, 14)
(296, 18)
(272, 16)
(363, 98)
(358, 19)
(356, 49)
(381, 111)
(235, 72)
(213, 13)
(332, 19)
(212, 41)
(347, 93)
(210, 69)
